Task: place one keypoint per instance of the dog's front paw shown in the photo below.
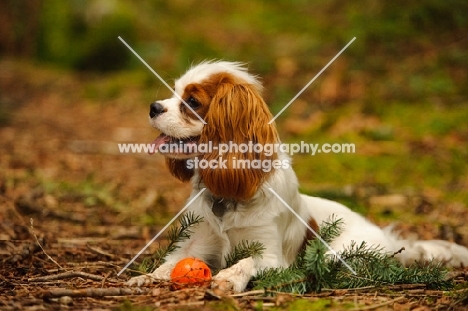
(222, 285)
(163, 273)
(228, 282)
(234, 278)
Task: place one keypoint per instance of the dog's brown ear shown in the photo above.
(179, 169)
(237, 114)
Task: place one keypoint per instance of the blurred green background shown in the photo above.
(399, 92)
(403, 51)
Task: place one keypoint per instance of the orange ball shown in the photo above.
(190, 272)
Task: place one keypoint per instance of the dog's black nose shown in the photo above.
(156, 109)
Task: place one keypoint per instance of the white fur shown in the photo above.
(171, 122)
(204, 70)
(266, 219)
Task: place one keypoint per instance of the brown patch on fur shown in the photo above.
(204, 92)
(201, 95)
(178, 169)
(309, 235)
(236, 114)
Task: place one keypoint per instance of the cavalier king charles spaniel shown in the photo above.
(217, 103)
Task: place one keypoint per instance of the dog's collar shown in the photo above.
(221, 205)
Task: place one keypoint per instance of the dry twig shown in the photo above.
(94, 292)
(37, 241)
(99, 251)
(70, 274)
(398, 252)
(379, 305)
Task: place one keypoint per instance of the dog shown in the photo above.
(245, 194)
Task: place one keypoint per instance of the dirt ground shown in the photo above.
(73, 211)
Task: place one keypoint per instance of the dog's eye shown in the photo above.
(193, 103)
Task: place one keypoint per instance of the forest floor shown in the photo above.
(74, 211)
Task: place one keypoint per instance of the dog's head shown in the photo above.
(216, 103)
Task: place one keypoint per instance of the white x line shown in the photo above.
(313, 79)
(162, 230)
(203, 189)
(161, 79)
(312, 230)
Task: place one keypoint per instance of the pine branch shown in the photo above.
(315, 269)
(176, 234)
(331, 229)
(315, 263)
(309, 271)
(432, 273)
(290, 280)
(243, 250)
(373, 268)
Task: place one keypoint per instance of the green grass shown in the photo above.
(422, 146)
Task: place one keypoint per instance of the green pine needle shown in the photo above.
(243, 250)
(176, 234)
(314, 269)
(290, 280)
(331, 229)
